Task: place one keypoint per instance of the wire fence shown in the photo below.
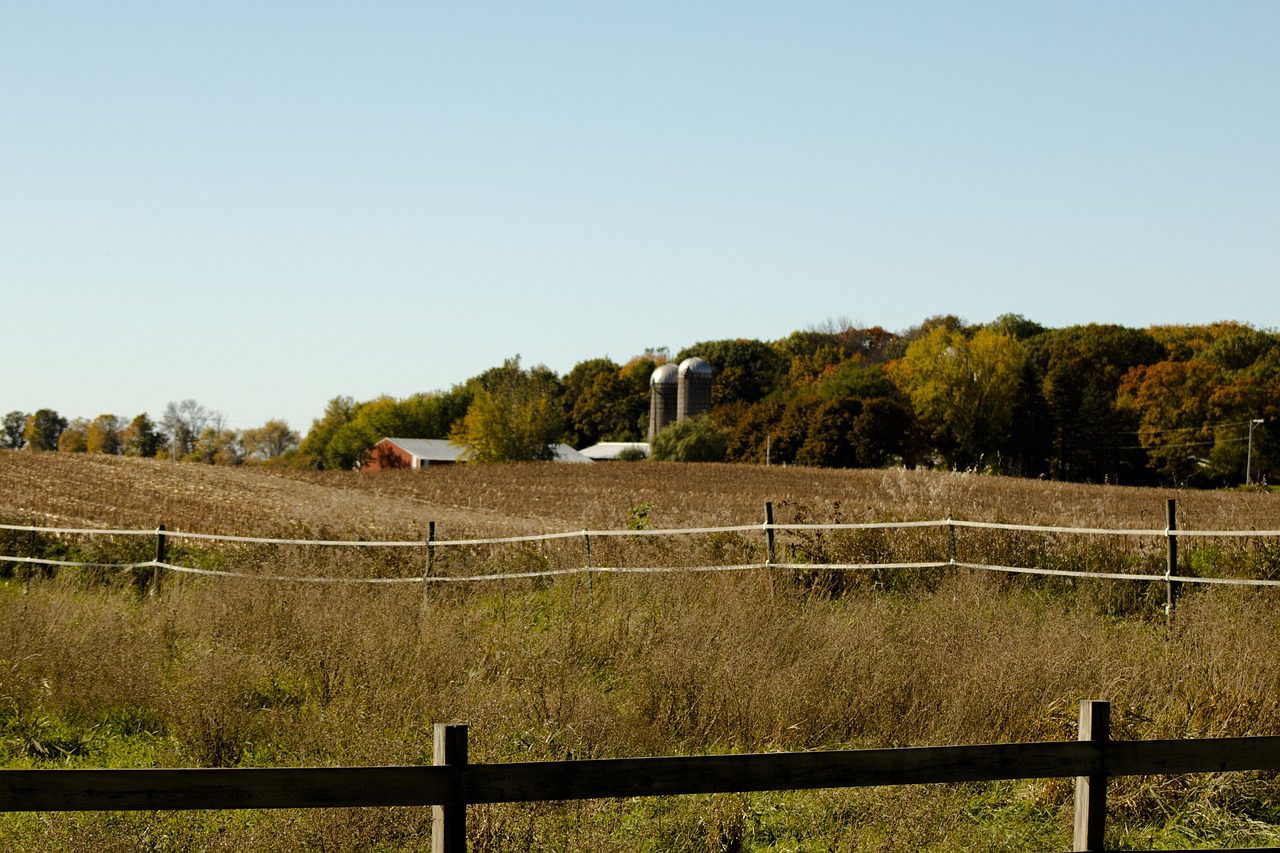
(811, 558)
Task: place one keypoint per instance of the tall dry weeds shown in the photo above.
(226, 672)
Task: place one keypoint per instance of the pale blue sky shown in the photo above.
(264, 205)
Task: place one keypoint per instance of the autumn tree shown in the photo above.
(270, 441)
(962, 389)
(104, 435)
(514, 416)
(74, 437)
(606, 402)
(217, 445)
(1171, 400)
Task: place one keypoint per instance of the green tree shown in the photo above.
(11, 430)
(343, 438)
(338, 412)
(744, 369)
(883, 433)
(42, 429)
(514, 416)
(1017, 326)
(595, 399)
(697, 440)
(1091, 438)
(104, 435)
(140, 437)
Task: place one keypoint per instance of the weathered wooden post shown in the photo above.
(1171, 562)
(429, 568)
(768, 532)
(153, 582)
(591, 587)
(29, 570)
(769, 553)
(449, 822)
(1091, 791)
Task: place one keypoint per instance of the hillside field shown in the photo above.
(248, 672)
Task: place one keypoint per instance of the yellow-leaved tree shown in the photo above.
(513, 417)
(963, 389)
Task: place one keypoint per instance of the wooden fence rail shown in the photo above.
(453, 783)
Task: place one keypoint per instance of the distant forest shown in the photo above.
(1184, 405)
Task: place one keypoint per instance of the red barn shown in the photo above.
(391, 453)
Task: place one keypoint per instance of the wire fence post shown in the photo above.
(1091, 791)
(449, 822)
(770, 555)
(1171, 562)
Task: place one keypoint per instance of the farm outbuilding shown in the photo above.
(611, 451)
(415, 453)
(391, 453)
(564, 453)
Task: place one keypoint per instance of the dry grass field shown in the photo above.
(244, 672)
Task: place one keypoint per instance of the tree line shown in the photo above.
(1189, 405)
(187, 431)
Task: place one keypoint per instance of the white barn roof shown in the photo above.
(565, 453)
(607, 451)
(430, 449)
(437, 450)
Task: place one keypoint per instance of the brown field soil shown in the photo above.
(464, 500)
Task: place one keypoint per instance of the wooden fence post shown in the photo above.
(427, 570)
(770, 554)
(768, 532)
(1171, 563)
(591, 586)
(162, 552)
(31, 568)
(449, 822)
(1091, 791)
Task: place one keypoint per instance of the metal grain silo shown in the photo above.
(662, 398)
(694, 395)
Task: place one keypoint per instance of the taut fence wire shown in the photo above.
(769, 529)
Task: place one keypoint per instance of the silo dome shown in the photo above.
(663, 397)
(693, 366)
(667, 374)
(693, 396)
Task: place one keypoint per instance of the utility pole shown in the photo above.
(1248, 461)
